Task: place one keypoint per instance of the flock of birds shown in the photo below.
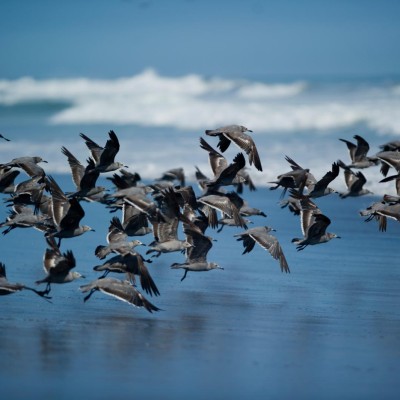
(158, 209)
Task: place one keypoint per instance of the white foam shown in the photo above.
(194, 102)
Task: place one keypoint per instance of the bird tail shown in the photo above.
(101, 251)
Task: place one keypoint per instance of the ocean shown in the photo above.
(330, 329)
(159, 119)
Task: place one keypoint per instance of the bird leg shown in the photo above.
(184, 275)
(90, 293)
(41, 293)
(106, 272)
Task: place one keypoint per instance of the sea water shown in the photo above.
(329, 329)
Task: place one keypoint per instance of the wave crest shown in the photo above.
(194, 102)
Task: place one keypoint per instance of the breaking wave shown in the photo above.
(195, 102)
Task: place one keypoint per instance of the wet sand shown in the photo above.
(330, 329)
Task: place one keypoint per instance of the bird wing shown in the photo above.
(357, 182)
(352, 149)
(116, 231)
(59, 202)
(73, 216)
(201, 245)
(271, 244)
(110, 150)
(327, 178)
(217, 161)
(90, 176)
(77, 168)
(318, 228)
(124, 291)
(246, 143)
(362, 148)
(94, 148)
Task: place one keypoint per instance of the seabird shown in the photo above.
(28, 164)
(358, 153)
(22, 216)
(196, 254)
(131, 264)
(7, 287)
(294, 179)
(66, 214)
(122, 290)
(236, 134)
(104, 157)
(7, 178)
(261, 235)
(84, 178)
(320, 188)
(389, 159)
(220, 202)
(313, 223)
(58, 266)
(218, 164)
(116, 241)
(355, 182)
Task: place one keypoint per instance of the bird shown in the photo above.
(196, 254)
(320, 188)
(28, 164)
(125, 180)
(104, 157)
(393, 145)
(22, 216)
(358, 153)
(294, 179)
(236, 134)
(58, 266)
(122, 290)
(388, 207)
(171, 176)
(218, 163)
(134, 222)
(116, 241)
(66, 213)
(3, 137)
(355, 182)
(131, 264)
(165, 226)
(395, 178)
(389, 159)
(229, 175)
(7, 178)
(262, 236)
(223, 203)
(84, 178)
(7, 287)
(313, 223)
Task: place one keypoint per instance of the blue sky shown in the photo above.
(113, 38)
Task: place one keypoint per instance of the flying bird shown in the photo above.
(237, 135)
(262, 236)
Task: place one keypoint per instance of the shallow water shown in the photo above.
(330, 329)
